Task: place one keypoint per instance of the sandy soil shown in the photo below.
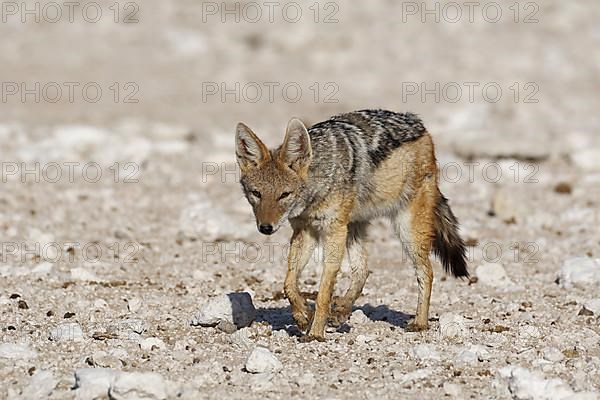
(132, 254)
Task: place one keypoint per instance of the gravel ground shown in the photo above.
(108, 272)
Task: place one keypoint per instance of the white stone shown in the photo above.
(425, 352)
(587, 159)
(358, 317)
(452, 326)
(69, 331)
(553, 354)
(579, 271)
(16, 351)
(93, 383)
(415, 376)
(235, 308)
(473, 354)
(42, 268)
(508, 204)
(529, 332)
(307, 379)
(241, 338)
(525, 385)
(40, 386)
(134, 304)
(151, 342)
(452, 389)
(82, 274)
(593, 305)
(261, 360)
(138, 385)
(364, 338)
(493, 274)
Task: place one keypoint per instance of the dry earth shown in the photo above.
(108, 272)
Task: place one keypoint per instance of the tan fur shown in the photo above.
(402, 187)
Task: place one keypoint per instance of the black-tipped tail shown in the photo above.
(448, 245)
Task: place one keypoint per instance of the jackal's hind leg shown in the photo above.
(357, 258)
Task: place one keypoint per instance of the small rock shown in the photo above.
(82, 274)
(493, 274)
(138, 385)
(40, 386)
(587, 159)
(553, 354)
(93, 383)
(452, 389)
(261, 360)
(358, 317)
(130, 328)
(16, 351)
(104, 360)
(529, 332)
(364, 338)
(524, 384)
(579, 271)
(473, 354)
(452, 326)
(414, 376)
(241, 338)
(134, 304)
(425, 352)
(507, 205)
(67, 332)
(593, 306)
(307, 379)
(151, 343)
(235, 308)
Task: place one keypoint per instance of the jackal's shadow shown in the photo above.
(280, 318)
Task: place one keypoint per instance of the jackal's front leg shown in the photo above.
(302, 247)
(334, 246)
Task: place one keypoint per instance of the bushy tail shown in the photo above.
(448, 246)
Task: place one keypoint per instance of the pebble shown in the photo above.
(134, 304)
(102, 359)
(425, 352)
(587, 159)
(138, 385)
(553, 354)
(508, 204)
(93, 383)
(70, 331)
(241, 338)
(473, 354)
(593, 305)
(493, 274)
(151, 343)
(261, 360)
(235, 308)
(358, 317)
(579, 271)
(526, 385)
(415, 376)
(452, 326)
(40, 386)
(452, 389)
(16, 351)
(307, 379)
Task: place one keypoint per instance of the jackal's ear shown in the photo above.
(296, 151)
(250, 151)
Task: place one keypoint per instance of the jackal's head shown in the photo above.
(273, 180)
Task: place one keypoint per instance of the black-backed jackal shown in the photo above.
(329, 181)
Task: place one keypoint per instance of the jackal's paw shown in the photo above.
(414, 327)
(311, 338)
(340, 313)
(303, 319)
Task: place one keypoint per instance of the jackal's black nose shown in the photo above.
(266, 229)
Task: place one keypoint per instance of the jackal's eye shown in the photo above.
(255, 193)
(284, 195)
